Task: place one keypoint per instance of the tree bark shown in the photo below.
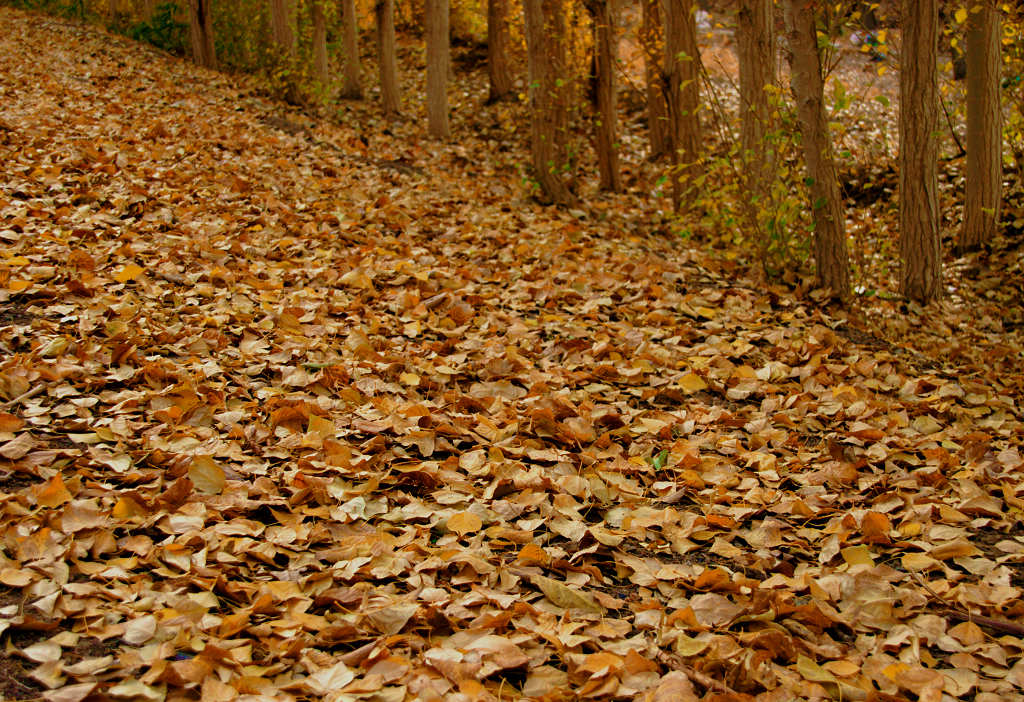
(390, 96)
(351, 86)
(201, 33)
(755, 46)
(606, 54)
(437, 69)
(546, 47)
(652, 40)
(320, 69)
(921, 259)
(682, 76)
(984, 128)
(281, 25)
(498, 72)
(830, 255)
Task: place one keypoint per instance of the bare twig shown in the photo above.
(1002, 626)
(676, 663)
(31, 392)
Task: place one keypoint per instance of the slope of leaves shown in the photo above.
(293, 411)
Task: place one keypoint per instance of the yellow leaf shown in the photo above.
(841, 667)
(206, 475)
(18, 285)
(960, 548)
(812, 671)
(566, 597)
(961, 16)
(130, 272)
(915, 562)
(857, 555)
(409, 379)
(126, 508)
(891, 671)
(691, 382)
(464, 523)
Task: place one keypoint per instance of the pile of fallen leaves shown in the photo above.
(299, 411)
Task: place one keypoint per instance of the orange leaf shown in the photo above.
(465, 523)
(532, 554)
(10, 423)
(53, 494)
(876, 527)
(130, 271)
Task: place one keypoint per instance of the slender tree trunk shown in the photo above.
(682, 77)
(755, 43)
(830, 256)
(281, 25)
(606, 54)
(546, 47)
(201, 33)
(652, 39)
(320, 70)
(921, 259)
(498, 72)
(437, 69)
(351, 88)
(984, 128)
(387, 58)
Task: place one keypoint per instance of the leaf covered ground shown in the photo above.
(294, 410)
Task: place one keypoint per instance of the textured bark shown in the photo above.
(437, 69)
(387, 59)
(830, 255)
(682, 90)
(755, 42)
(984, 128)
(281, 25)
(201, 33)
(921, 260)
(498, 72)
(352, 87)
(652, 40)
(320, 70)
(546, 48)
(606, 54)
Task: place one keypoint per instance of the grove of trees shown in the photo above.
(563, 59)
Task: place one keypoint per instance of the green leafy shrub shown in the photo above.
(162, 29)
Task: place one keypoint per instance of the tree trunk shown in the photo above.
(984, 128)
(755, 46)
(921, 259)
(830, 256)
(387, 58)
(320, 70)
(682, 79)
(201, 33)
(351, 87)
(281, 25)
(546, 47)
(652, 40)
(606, 54)
(437, 69)
(498, 72)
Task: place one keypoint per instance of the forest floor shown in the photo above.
(319, 409)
